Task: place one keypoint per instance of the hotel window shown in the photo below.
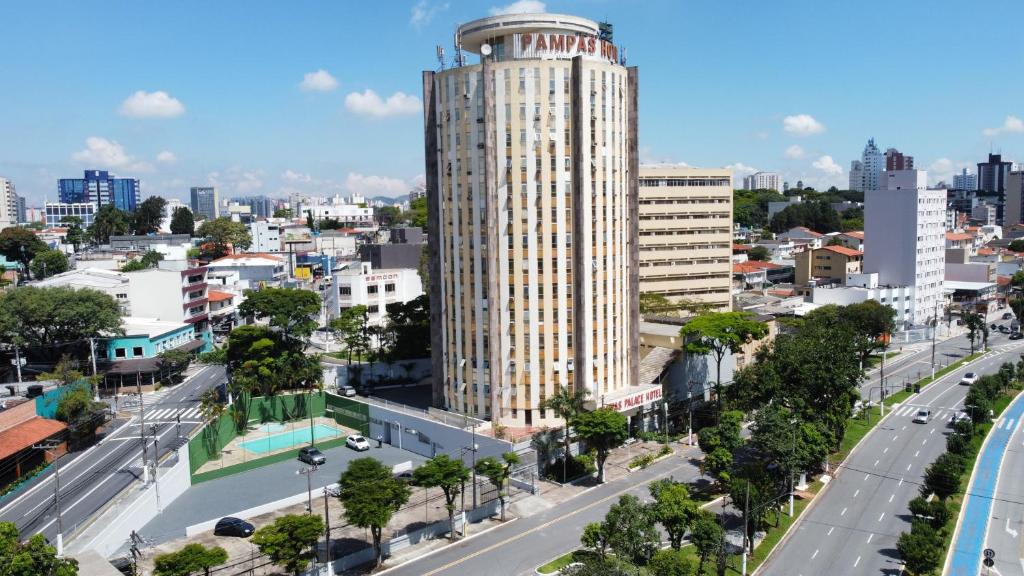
(345, 290)
(389, 287)
(372, 289)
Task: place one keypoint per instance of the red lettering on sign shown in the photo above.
(526, 40)
(541, 43)
(570, 43)
(557, 42)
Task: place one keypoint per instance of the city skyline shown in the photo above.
(330, 103)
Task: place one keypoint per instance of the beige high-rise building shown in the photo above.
(8, 204)
(531, 185)
(686, 234)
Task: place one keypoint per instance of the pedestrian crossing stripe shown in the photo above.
(173, 413)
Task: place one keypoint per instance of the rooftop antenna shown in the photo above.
(440, 55)
(458, 51)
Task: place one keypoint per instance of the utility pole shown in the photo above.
(328, 493)
(155, 461)
(746, 507)
(935, 328)
(17, 361)
(308, 473)
(56, 496)
(92, 354)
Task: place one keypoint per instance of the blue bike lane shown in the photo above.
(970, 540)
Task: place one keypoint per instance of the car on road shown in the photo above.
(969, 378)
(347, 391)
(1016, 336)
(1004, 329)
(357, 442)
(994, 326)
(231, 526)
(404, 475)
(959, 416)
(1007, 315)
(312, 455)
(922, 416)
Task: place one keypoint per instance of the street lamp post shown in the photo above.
(792, 464)
(56, 496)
(308, 473)
(329, 493)
(689, 405)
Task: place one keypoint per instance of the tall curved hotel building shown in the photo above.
(531, 169)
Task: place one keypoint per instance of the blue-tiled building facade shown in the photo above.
(100, 188)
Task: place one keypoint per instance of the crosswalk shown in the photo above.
(190, 413)
(1008, 347)
(944, 415)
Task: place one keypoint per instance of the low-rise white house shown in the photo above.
(362, 285)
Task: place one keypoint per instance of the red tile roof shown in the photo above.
(24, 435)
(741, 247)
(809, 231)
(858, 234)
(985, 251)
(245, 255)
(959, 236)
(218, 296)
(843, 250)
(746, 267)
(1003, 280)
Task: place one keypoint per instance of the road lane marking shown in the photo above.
(916, 453)
(908, 467)
(870, 536)
(882, 516)
(866, 476)
(904, 427)
(843, 513)
(856, 493)
(886, 450)
(815, 555)
(925, 441)
(895, 436)
(901, 482)
(857, 561)
(932, 431)
(891, 497)
(830, 531)
(876, 463)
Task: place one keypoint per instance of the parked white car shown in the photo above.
(357, 442)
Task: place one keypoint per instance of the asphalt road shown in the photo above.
(90, 479)
(994, 513)
(518, 547)
(854, 525)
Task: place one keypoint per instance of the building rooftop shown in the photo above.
(969, 286)
(843, 250)
(746, 268)
(218, 296)
(86, 278)
(29, 432)
(955, 236)
(653, 365)
(248, 259)
(150, 327)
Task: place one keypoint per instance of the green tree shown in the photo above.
(656, 304)
(567, 403)
(291, 310)
(706, 536)
(76, 235)
(594, 538)
(20, 245)
(417, 214)
(174, 362)
(48, 263)
(759, 254)
(754, 493)
(148, 216)
(371, 496)
(974, 323)
(1016, 245)
(284, 213)
(630, 530)
(673, 509)
(717, 463)
(936, 513)
(351, 327)
(719, 334)
(109, 221)
(869, 321)
(942, 477)
(182, 221)
(409, 323)
(64, 371)
(498, 473)
(74, 405)
(290, 541)
(921, 549)
(601, 430)
(449, 475)
(224, 236)
(782, 439)
(148, 260)
(671, 562)
(192, 558)
(43, 318)
(34, 557)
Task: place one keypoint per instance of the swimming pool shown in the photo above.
(299, 435)
(270, 427)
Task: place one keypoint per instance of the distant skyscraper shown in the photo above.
(100, 188)
(204, 202)
(22, 210)
(965, 181)
(763, 181)
(261, 206)
(896, 160)
(992, 174)
(1014, 213)
(856, 175)
(870, 168)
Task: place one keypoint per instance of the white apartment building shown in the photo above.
(353, 211)
(865, 173)
(763, 181)
(375, 289)
(686, 233)
(266, 236)
(8, 204)
(1013, 214)
(905, 238)
(862, 287)
(965, 180)
(169, 208)
(531, 178)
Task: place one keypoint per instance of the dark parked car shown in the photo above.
(231, 526)
(1004, 330)
(1007, 315)
(994, 326)
(312, 455)
(1016, 336)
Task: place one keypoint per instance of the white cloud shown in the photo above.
(371, 186)
(319, 81)
(157, 104)
(794, 151)
(235, 181)
(1012, 125)
(166, 157)
(520, 7)
(943, 170)
(827, 165)
(103, 153)
(368, 103)
(423, 12)
(802, 125)
(292, 176)
(740, 169)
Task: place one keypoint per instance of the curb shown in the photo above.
(446, 546)
(970, 483)
(789, 531)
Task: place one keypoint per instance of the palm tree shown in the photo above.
(567, 403)
(543, 442)
(210, 410)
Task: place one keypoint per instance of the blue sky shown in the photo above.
(186, 93)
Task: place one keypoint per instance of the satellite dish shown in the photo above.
(485, 49)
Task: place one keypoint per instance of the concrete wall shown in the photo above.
(134, 509)
(973, 272)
